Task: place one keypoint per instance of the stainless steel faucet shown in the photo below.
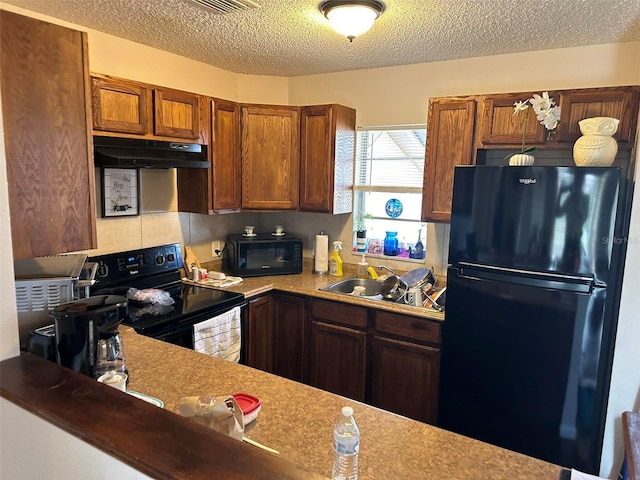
(384, 267)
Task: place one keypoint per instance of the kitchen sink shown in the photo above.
(346, 286)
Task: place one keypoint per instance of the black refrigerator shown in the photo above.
(533, 286)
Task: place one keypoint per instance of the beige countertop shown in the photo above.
(297, 420)
(306, 283)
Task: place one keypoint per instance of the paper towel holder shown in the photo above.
(321, 254)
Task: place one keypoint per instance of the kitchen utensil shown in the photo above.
(114, 379)
(152, 400)
(190, 259)
(414, 297)
(110, 356)
(419, 277)
(393, 288)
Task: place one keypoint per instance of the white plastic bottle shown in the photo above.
(346, 444)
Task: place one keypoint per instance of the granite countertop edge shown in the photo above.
(309, 284)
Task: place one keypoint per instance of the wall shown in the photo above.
(395, 95)
(71, 459)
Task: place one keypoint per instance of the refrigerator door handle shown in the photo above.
(574, 283)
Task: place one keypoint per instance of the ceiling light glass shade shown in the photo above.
(351, 18)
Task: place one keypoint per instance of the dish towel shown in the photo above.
(219, 336)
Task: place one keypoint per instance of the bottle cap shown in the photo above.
(347, 411)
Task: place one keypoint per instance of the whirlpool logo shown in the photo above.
(527, 181)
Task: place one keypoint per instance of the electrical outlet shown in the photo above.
(216, 248)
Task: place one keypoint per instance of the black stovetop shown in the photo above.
(158, 267)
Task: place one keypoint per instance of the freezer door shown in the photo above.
(548, 219)
(520, 367)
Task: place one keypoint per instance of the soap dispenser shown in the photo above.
(335, 264)
(363, 265)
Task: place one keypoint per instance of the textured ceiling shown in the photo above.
(292, 37)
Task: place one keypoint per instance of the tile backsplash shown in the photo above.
(160, 223)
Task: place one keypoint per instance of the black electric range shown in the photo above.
(159, 268)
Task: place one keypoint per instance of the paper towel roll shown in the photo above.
(321, 264)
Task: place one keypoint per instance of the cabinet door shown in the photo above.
(46, 107)
(290, 334)
(620, 103)
(225, 142)
(449, 142)
(338, 359)
(176, 113)
(260, 331)
(405, 378)
(270, 157)
(501, 126)
(328, 138)
(120, 106)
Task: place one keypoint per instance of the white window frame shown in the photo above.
(360, 188)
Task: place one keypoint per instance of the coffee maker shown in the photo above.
(86, 334)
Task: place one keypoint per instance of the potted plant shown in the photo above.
(547, 113)
(361, 231)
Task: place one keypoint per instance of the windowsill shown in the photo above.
(395, 258)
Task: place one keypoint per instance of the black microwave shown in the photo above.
(263, 254)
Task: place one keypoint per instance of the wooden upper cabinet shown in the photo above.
(217, 189)
(46, 107)
(450, 140)
(616, 102)
(270, 157)
(498, 124)
(328, 137)
(120, 106)
(176, 113)
(126, 106)
(226, 161)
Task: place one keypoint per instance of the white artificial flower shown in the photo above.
(541, 103)
(520, 106)
(551, 118)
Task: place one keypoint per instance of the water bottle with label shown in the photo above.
(346, 444)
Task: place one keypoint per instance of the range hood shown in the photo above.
(141, 153)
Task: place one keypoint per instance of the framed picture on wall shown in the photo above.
(120, 192)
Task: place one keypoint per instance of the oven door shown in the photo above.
(181, 332)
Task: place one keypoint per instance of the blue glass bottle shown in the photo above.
(391, 244)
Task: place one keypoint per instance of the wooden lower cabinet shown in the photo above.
(338, 359)
(259, 333)
(290, 334)
(405, 378)
(388, 360)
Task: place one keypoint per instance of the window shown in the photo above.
(388, 190)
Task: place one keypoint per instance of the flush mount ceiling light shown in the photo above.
(351, 17)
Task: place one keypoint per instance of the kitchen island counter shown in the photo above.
(295, 419)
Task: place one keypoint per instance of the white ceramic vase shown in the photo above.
(596, 147)
(521, 159)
